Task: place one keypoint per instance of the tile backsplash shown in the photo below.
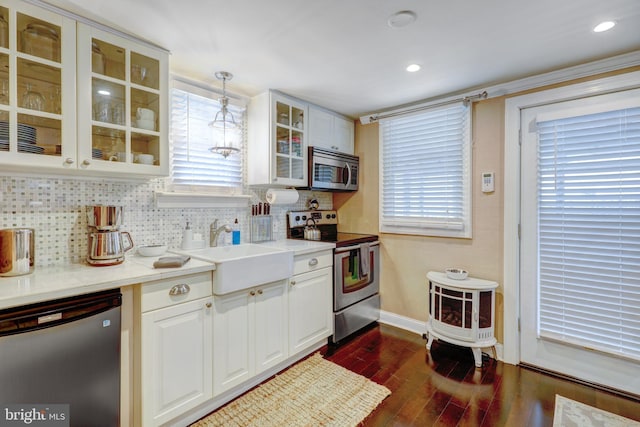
(56, 208)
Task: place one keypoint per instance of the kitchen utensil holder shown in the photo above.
(261, 228)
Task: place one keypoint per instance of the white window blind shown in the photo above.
(589, 230)
(193, 166)
(425, 163)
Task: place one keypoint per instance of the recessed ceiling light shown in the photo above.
(604, 26)
(413, 68)
(401, 19)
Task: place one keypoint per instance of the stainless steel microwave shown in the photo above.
(332, 170)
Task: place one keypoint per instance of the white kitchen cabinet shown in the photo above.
(122, 104)
(310, 300)
(330, 130)
(250, 333)
(176, 347)
(68, 93)
(37, 88)
(277, 140)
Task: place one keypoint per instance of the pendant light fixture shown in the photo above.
(223, 121)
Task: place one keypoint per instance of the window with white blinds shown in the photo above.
(589, 230)
(193, 166)
(425, 162)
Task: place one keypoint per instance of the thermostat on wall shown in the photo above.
(487, 182)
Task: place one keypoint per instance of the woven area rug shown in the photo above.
(569, 413)
(315, 392)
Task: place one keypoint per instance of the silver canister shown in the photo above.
(17, 254)
(104, 218)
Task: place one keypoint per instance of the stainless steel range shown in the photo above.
(356, 268)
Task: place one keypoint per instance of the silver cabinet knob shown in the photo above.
(293, 282)
(180, 289)
(86, 162)
(252, 293)
(259, 291)
(69, 161)
(313, 262)
(208, 305)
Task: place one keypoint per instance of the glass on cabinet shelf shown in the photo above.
(4, 27)
(282, 114)
(108, 102)
(39, 86)
(145, 71)
(108, 59)
(38, 38)
(297, 118)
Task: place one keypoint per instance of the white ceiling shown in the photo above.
(341, 54)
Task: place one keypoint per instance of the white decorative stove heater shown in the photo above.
(462, 312)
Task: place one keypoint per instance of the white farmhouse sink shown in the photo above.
(244, 266)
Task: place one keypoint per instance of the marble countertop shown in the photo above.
(47, 283)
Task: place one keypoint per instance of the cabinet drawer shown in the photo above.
(157, 294)
(313, 261)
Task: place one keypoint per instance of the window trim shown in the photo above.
(430, 227)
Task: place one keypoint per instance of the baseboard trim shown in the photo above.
(419, 327)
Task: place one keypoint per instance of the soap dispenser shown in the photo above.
(187, 237)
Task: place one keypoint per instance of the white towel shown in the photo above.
(364, 259)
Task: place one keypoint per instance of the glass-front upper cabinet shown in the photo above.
(37, 86)
(290, 139)
(122, 105)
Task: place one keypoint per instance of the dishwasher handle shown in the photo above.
(57, 312)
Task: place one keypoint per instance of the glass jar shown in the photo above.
(41, 40)
(97, 59)
(4, 32)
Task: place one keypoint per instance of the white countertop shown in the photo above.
(47, 283)
(300, 247)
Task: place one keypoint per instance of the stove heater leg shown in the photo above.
(477, 356)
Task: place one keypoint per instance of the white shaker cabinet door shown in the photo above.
(270, 325)
(232, 340)
(310, 308)
(176, 360)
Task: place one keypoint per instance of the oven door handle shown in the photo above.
(352, 247)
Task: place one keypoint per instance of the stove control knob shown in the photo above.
(304, 217)
(333, 216)
(328, 216)
(297, 217)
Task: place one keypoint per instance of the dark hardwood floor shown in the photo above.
(443, 388)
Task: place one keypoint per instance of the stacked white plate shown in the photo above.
(26, 134)
(29, 148)
(26, 138)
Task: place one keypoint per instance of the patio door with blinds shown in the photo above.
(580, 244)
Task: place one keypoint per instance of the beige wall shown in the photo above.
(405, 260)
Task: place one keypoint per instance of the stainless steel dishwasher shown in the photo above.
(65, 351)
